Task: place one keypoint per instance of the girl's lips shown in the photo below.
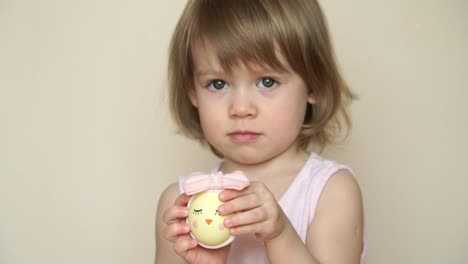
(244, 136)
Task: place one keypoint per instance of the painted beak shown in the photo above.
(208, 221)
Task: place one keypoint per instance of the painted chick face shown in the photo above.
(206, 225)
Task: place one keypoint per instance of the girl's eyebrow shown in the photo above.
(201, 72)
(254, 69)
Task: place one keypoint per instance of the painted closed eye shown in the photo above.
(217, 85)
(267, 82)
(216, 213)
(197, 212)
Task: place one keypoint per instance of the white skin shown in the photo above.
(253, 116)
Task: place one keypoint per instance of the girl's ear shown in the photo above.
(193, 97)
(311, 99)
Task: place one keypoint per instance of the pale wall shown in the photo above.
(86, 144)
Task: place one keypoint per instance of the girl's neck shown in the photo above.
(287, 163)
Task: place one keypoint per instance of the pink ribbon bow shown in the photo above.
(198, 182)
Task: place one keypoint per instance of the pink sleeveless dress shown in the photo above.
(298, 202)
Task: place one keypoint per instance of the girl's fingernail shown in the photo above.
(186, 228)
(228, 222)
(194, 243)
(221, 209)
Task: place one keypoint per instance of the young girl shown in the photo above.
(256, 80)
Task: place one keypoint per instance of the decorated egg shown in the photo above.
(206, 224)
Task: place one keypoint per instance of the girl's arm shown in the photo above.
(165, 252)
(336, 233)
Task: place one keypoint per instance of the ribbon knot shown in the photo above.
(198, 182)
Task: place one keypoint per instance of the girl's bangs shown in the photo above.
(242, 32)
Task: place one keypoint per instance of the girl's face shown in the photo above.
(251, 114)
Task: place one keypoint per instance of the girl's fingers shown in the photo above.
(182, 200)
(173, 232)
(250, 217)
(175, 214)
(228, 194)
(263, 230)
(258, 188)
(184, 244)
(257, 228)
(242, 203)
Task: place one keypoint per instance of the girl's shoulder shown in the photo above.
(171, 190)
(334, 177)
(339, 215)
(318, 170)
(323, 162)
(168, 196)
(338, 211)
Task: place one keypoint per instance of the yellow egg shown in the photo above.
(206, 225)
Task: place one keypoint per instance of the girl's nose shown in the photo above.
(242, 104)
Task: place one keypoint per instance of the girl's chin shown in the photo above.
(247, 158)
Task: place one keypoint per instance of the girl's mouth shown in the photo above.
(244, 136)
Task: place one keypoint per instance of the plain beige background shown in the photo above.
(87, 146)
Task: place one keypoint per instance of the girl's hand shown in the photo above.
(177, 231)
(255, 211)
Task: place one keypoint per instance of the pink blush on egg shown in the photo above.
(195, 224)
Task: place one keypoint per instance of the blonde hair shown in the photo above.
(252, 32)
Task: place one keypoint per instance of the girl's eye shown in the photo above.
(267, 82)
(217, 85)
(197, 212)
